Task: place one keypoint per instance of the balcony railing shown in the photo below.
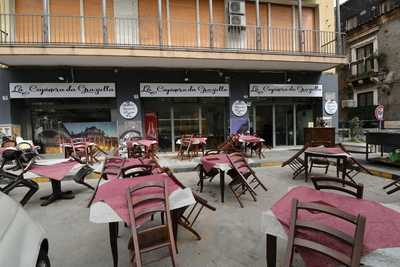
(76, 31)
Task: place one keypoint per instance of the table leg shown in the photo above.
(306, 166)
(113, 229)
(343, 169)
(201, 174)
(271, 250)
(337, 167)
(222, 184)
(366, 151)
(56, 194)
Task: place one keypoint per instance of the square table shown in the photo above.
(274, 227)
(326, 152)
(110, 205)
(219, 162)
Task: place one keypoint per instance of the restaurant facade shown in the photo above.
(163, 68)
(212, 103)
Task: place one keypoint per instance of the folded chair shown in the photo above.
(155, 237)
(298, 237)
(333, 183)
(185, 146)
(80, 149)
(190, 215)
(112, 169)
(296, 163)
(240, 166)
(352, 166)
(16, 180)
(243, 177)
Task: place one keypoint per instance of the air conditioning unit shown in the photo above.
(348, 104)
(237, 21)
(237, 7)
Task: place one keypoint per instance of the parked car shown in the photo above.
(23, 242)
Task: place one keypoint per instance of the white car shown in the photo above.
(22, 241)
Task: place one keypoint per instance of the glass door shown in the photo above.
(284, 125)
(264, 123)
(304, 116)
(186, 119)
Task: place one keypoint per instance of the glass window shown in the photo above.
(213, 123)
(365, 59)
(365, 99)
(284, 125)
(351, 23)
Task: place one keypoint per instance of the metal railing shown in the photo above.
(33, 30)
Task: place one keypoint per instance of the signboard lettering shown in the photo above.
(183, 90)
(61, 90)
(285, 90)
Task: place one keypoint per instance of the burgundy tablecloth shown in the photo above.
(382, 224)
(210, 161)
(56, 171)
(114, 193)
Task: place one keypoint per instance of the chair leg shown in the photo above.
(311, 167)
(236, 196)
(326, 169)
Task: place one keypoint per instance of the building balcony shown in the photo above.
(106, 41)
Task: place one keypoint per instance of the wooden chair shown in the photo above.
(243, 177)
(80, 149)
(331, 183)
(319, 162)
(296, 163)
(13, 181)
(134, 150)
(352, 166)
(240, 166)
(112, 169)
(189, 217)
(185, 146)
(155, 237)
(299, 240)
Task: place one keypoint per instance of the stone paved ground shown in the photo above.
(232, 236)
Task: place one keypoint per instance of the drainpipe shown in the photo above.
(300, 25)
(160, 23)
(104, 20)
(338, 29)
(258, 29)
(46, 23)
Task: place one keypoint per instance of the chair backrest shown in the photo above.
(137, 170)
(297, 239)
(112, 167)
(138, 207)
(295, 156)
(186, 139)
(333, 183)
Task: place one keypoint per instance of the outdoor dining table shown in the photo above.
(110, 204)
(335, 152)
(219, 162)
(195, 141)
(57, 170)
(382, 232)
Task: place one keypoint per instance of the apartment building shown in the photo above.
(165, 68)
(372, 76)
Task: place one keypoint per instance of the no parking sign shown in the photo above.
(379, 112)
